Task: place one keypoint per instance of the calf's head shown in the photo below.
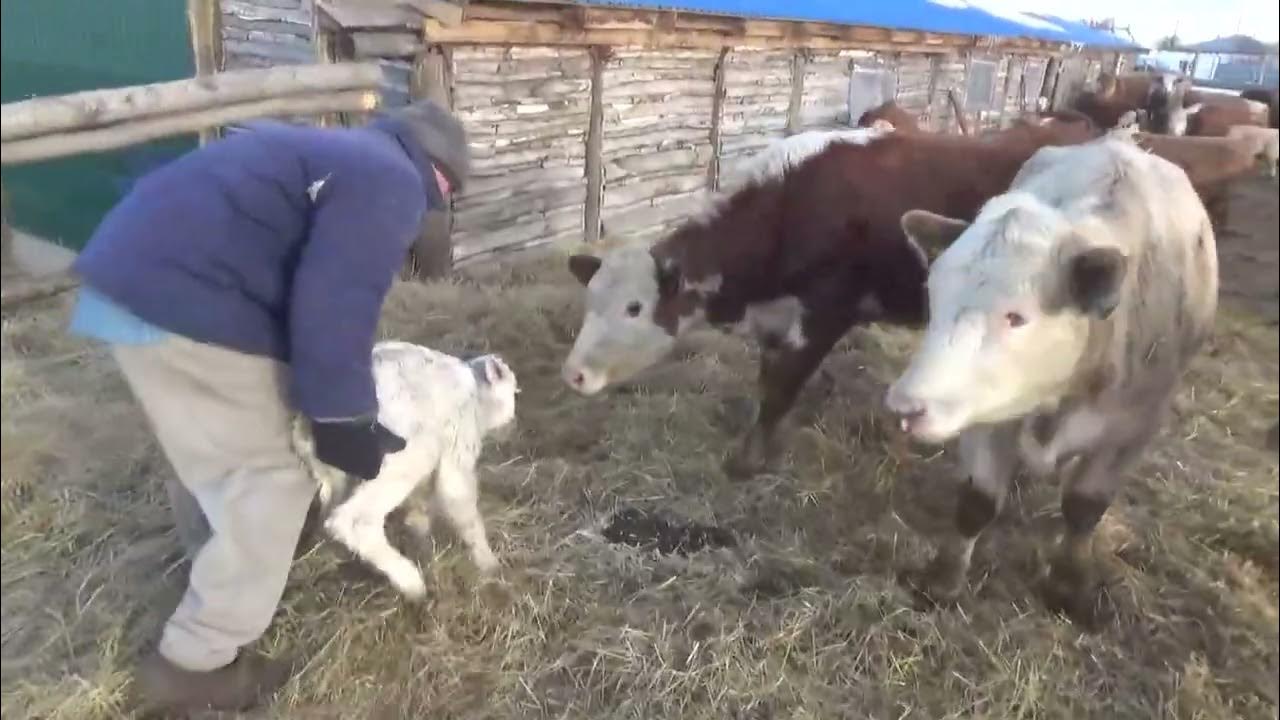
(496, 391)
(1011, 303)
(630, 321)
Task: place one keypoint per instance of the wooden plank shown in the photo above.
(546, 33)
(372, 45)
(717, 117)
(432, 253)
(204, 21)
(798, 61)
(349, 15)
(595, 149)
(448, 13)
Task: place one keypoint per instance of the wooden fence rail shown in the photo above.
(98, 120)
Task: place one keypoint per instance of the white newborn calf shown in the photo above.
(443, 407)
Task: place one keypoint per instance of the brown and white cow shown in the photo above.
(1216, 118)
(1270, 98)
(1263, 142)
(1061, 321)
(1148, 95)
(794, 257)
(1212, 163)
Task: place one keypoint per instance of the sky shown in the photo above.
(1194, 20)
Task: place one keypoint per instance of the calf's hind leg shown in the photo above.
(360, 525)
(989, 459)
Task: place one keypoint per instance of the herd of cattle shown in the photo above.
(1064, 271)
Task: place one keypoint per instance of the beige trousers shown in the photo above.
(240, 496)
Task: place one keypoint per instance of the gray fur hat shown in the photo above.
(440, 136)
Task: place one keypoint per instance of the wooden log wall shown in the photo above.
(990, 119)
(915, 85)
(1010, 93)
(261, 33)
(657, 138)
(757, 91)
(825, 103)
(526, 111)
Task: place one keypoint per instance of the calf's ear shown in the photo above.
(584, 267)
(1095, 278)
(931, 231)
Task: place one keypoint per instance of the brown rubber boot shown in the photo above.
(246, 682)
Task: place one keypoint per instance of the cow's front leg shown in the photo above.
(784, 369)
(1071, 585)
(989, 459)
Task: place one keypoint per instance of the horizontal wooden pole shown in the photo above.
(102, 108)
(58, 145)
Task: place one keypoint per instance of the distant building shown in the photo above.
(1234, 62)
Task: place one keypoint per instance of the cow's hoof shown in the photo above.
(938, 584)
(1071, 593)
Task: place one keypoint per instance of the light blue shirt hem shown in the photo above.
(97, 318)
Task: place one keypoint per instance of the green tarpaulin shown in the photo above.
(52, 47)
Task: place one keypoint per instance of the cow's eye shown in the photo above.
(1015, 319)
(633, 309)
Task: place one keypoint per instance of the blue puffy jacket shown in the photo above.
(281, 241)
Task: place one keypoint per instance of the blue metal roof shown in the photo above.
(959, 17)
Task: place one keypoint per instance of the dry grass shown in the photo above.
(804, 619)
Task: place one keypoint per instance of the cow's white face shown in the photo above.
(1010, 302)
(620, 334)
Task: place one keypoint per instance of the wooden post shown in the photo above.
(204, 19)
(1049, 84)
(325, 37)
(432, 254)
(1003, 105)
(717, 115)
(796, 104)
(935, 69)
(591, 225)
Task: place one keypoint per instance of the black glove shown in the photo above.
(355, 447)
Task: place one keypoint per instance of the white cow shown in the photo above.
(444, 408)
(1060, 323)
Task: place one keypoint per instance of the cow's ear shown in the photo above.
(1095, 279)
(584, 267)
(931, 231)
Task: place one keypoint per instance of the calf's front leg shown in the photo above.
(989, 459)
(456, 488)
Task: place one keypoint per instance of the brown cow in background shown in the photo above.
(891, 114)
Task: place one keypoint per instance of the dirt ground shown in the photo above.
(796, 612)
